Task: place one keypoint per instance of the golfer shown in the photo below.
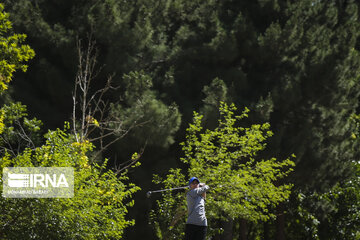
(196, 224)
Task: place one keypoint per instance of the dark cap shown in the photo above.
(193, 179)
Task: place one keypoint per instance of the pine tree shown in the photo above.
(294, 62)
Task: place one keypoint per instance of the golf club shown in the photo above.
(148, 194)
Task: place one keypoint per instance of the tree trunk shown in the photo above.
(217, 236)
(227, 234)
(266, 231)
(228, 229)
(280, 223)
(243, 229)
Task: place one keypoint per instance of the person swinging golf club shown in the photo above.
(196, 225)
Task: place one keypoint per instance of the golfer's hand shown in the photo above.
(202, 184)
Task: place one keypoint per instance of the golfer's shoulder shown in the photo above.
(198, 191)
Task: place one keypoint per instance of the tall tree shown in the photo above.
(243, 186)
(99, 206)
(295, 62)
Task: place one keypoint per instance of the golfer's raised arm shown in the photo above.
(199, 190)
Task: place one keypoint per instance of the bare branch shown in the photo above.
(90, 116)
(120, 168)
(19, 140)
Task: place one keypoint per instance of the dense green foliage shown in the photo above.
(141, 105)
(226, 158)
(331, 215)
(13, 53)
(97, 210)
(19, 132)
(295, 64)
(167, 219)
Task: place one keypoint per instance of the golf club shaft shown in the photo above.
(148, 194)
(169, 189)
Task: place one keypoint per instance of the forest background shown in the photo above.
(294, 64)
